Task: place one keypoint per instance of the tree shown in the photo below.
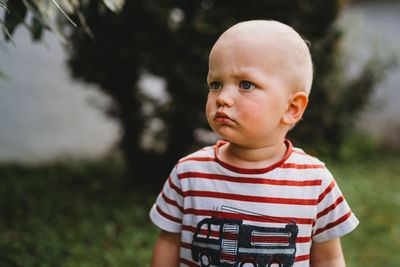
(44, 15)
(172, 39)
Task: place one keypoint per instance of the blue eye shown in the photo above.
(215, 85)
(246, 85)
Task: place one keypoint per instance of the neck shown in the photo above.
(259, 157)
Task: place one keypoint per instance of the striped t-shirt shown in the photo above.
(228, 216)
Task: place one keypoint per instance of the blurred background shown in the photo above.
(93, 117)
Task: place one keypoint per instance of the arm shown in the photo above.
(327, 254)
(166, 250)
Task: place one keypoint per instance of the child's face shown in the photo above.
(248, 94)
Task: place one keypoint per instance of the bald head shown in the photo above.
(278, 44)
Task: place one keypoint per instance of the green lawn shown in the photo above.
(73, 215)
(80, 214)
(372, 188)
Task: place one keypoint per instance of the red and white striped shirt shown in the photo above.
(233, 215)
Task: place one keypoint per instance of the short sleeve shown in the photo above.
(334, 217)
(167, 211)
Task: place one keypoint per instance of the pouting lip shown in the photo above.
(222, 115)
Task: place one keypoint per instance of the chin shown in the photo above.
(224, 133)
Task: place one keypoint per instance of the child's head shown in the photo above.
(260, 75)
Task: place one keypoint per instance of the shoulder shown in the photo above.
(300, 160)
(299, 156)
(304, 166)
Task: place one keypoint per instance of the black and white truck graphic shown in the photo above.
(228, 242)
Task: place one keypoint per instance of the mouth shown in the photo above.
(222, 117)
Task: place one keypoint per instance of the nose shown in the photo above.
(225, 97)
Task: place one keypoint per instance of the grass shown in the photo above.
(372, 189)
(73, 215)
(80, 214)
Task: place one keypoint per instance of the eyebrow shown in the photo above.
(210, 76)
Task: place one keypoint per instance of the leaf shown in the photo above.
(84, 23)
(115, 5)
(63, 12)
(74, 7)
(4, 6)
(37, 29)
(43, 17)
(6, 32)
(43, 6)
(69, 6)
(14, 17)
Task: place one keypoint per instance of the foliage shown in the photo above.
(80, 214)
(171, 39)
(44, 15)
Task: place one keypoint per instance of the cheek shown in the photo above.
(260, 112)
(209, 107)
(211, 100)
(249, 111)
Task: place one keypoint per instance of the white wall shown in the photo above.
(43, 113)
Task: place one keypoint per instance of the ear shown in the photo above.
(297, 103)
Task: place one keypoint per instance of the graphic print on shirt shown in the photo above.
(224, 240)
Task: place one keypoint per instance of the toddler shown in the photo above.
(253, 199)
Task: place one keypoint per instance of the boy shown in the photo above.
(253, 200)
